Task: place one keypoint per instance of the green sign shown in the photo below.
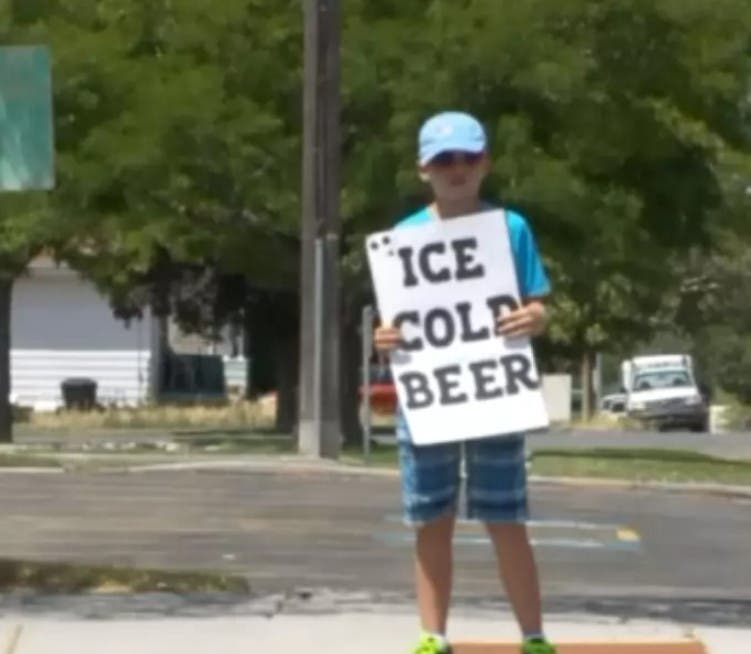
(26, 142)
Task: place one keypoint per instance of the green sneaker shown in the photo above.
(538, 646)
(429, 645)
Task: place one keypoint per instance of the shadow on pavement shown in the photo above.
(708, 612)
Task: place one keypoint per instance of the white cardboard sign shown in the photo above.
(443, 283)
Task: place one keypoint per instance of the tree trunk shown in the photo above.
(6, 410)
(159, 346)
(588, 402)
(260, 350)
(159, 305)
(248, 352)
(286, 383)
(350, 378)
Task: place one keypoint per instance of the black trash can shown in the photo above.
(79, 393)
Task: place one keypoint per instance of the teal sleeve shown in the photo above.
(533, 281)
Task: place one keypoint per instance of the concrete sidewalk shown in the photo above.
(378, 632)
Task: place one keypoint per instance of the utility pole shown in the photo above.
(319, 424)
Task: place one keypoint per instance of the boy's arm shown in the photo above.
(534, 286)
(527, 320)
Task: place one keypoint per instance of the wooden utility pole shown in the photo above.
(319, 427)
(6, 408)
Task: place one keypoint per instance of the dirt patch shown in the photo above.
(71, 578)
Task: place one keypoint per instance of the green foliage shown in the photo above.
(713, 313)
(620, 129)
(178, 138)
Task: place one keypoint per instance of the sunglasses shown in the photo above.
(446, 159)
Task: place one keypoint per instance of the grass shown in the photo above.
(612, 463)
(641, 465)
(381, 456)
(600, 420)
(261, 444)
(103, 456)
(72, 578)
(196, 436)
(244, 415)
(737, 416)
(638, 465)
(27, 461)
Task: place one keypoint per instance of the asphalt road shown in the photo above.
(634, 551)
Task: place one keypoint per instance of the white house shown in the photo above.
(61, 327)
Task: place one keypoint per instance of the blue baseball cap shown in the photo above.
(450, 131)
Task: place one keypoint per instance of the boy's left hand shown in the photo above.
(528, 320)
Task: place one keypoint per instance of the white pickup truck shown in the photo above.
(662, 392)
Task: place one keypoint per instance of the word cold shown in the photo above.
(480, 380)
(442, 327)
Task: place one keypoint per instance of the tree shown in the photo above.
(179, 144)
(711, 310)
(24, 229)
(610, 129)
(26, 226)
(620, 130)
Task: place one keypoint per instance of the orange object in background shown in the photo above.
(383, 400)
(684, 647)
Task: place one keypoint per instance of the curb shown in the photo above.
(301, 465)
(275, 466)
(317, 466)
(31, 470)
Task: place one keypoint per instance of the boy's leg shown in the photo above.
(518, 571)
(430, 487)
(497, 496)
(434, 572)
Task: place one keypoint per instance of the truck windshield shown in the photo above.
(663, 379)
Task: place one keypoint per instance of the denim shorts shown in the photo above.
(496, 478)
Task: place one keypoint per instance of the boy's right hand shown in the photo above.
(387, 338)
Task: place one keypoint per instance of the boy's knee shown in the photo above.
(507, 530)
(440, 526)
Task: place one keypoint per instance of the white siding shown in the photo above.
(121, 376)
(62, 327)
(60, 311)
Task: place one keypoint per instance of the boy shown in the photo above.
(453, 160)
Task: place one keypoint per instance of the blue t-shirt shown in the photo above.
(533, 282)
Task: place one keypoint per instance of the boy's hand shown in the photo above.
(528, 320)
(386, 338)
